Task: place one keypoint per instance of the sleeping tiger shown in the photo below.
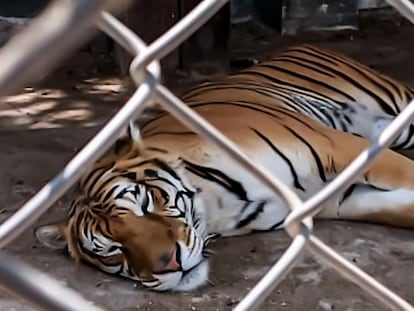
(148, 209)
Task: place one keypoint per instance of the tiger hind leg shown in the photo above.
(370, 204)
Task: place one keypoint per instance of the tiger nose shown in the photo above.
(173, 265)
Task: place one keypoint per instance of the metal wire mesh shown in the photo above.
(74, 21)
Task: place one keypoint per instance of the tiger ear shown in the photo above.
(53, 235)
(129, 141)
(134, 134)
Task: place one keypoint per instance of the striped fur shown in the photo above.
(335, 90)
(148, 209)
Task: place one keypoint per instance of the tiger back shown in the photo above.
(331, 88)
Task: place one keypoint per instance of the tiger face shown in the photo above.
(145, 229)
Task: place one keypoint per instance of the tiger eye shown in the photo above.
(150, 173)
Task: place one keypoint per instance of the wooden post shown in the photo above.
(149, 19)
(207, 51)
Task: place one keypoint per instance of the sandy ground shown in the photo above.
(42, 127)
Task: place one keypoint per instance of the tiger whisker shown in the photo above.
(208, 252)
(211, 283)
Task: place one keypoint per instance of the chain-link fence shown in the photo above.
(73, 22)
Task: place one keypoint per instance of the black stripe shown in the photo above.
(313, 152)
(164, 166)
(368, 71)
(348, 192)
(101, 187)
(294, 85)
(406, 142)
(145, 203)
(312, 53)
(218, 177)
(408, 94)
(296, 182)
(252, 216)
(283, 89)
(164, 193)
(303, 107)
(347, 119)
(304, 64)
(269, 91)
(156, 149)
(94, 175)
(316, 112)
(180, 195)
(247, 105)
(109, 193)
(105, 228)
(121, 193)
(160, 179)
(304, 77)
(384, 105)
(130, 175)
(330, 120)
(276, 225)
(129, 270)
(343, 125)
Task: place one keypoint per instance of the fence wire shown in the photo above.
(74, 21)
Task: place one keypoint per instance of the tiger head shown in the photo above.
(140, 221)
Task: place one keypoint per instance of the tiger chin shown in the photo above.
(149, 207)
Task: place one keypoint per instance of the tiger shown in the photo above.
(148, 209)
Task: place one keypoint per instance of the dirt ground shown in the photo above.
(43, 126)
